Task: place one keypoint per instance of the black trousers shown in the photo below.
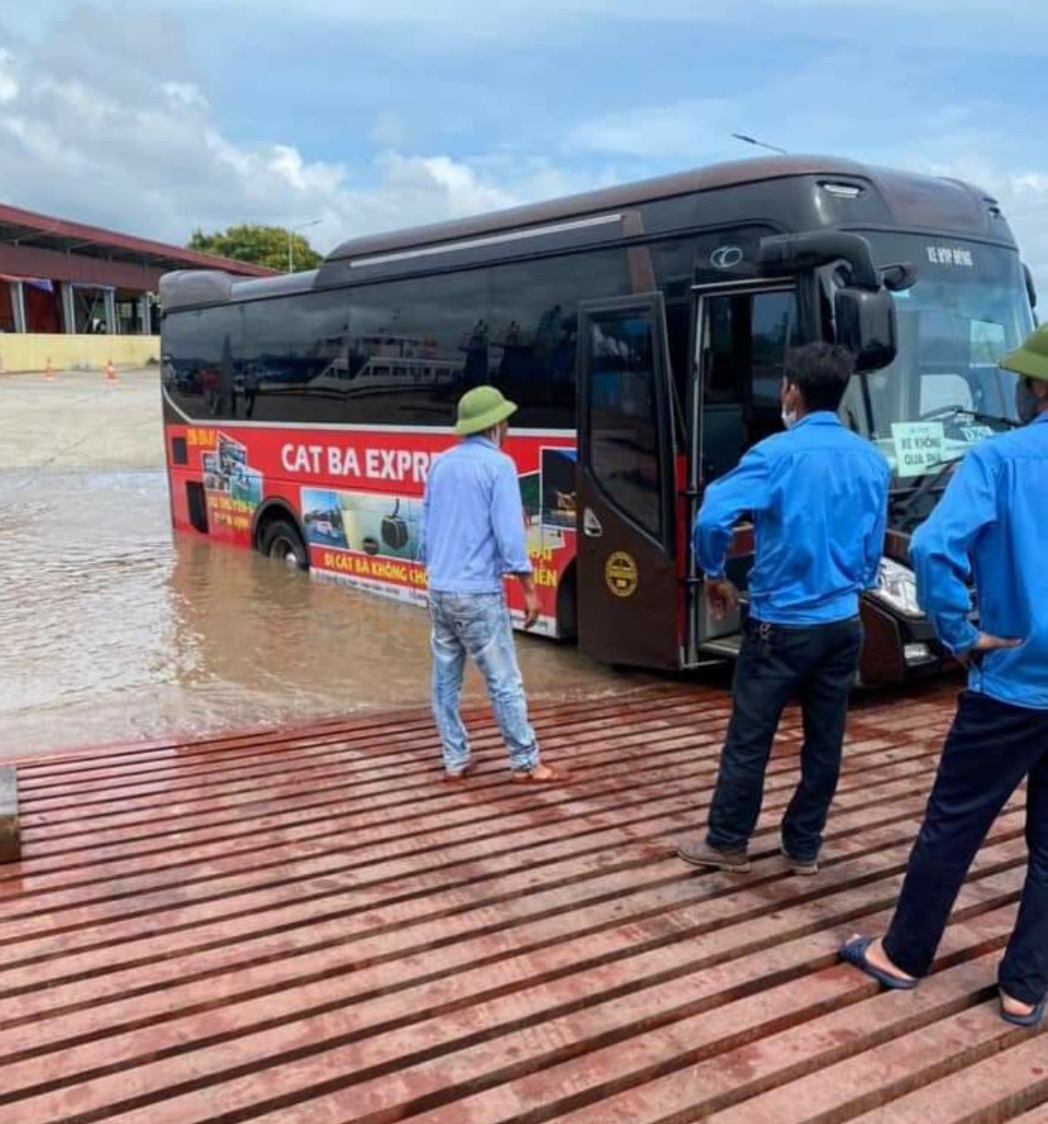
(818, 664)
(991, 748)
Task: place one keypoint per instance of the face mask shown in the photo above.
(1026, 402)
(788, 415)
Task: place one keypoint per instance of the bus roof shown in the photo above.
(643, 191)
(914, 199)
(590, 202)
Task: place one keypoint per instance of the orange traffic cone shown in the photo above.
(110, 372)
(48, 371)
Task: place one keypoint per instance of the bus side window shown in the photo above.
(746, 342)
(624, 432)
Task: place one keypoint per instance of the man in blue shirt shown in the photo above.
(819, 496)
(991, 525)
(472, 538)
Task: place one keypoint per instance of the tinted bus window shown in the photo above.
(419, 344)
(396, 352)
(534, 334)
(416, 345)
(203, 350)
(293, 348)
(748, 336)
(624, 434)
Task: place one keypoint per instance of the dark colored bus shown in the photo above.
(642, 331)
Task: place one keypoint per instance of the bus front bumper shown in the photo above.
(899, 649)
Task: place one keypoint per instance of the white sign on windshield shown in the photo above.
(918, 446)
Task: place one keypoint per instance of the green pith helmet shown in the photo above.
(481, 409)
(1030, 360)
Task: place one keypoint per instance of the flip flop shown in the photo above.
(527, 776)
(854, 953)
(458, 774)
(1032, 1019)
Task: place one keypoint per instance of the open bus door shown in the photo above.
(628, 585)
(743, 330)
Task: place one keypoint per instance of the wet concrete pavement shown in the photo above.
(112, 629)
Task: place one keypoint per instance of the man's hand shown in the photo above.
(722, 596)
(985, 643)
(532, 608)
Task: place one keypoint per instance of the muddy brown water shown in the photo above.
(113, 629)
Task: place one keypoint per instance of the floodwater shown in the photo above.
(112, 629)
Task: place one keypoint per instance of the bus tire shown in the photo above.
(282, 540)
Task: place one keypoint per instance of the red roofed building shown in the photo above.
(62, 277)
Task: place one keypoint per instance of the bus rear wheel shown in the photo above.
(282, 540)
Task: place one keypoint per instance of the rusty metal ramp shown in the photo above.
(309, 926)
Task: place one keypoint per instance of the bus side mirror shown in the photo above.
(865, 323)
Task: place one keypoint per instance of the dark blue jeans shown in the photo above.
(990, 750)
(817, 664)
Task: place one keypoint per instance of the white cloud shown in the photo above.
(8, 83)
(185, 94)
(674, 132)
(462, 189)
(1023, 196)
(120, 132)
(114, 145)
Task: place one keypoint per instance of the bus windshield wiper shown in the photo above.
(926, 485)
(976, 415)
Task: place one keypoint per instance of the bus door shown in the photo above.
(629, 602)
(743, 330)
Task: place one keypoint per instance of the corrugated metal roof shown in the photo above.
(81, 235)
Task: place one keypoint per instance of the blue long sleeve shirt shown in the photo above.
(992, 524)
(819, 498)
(473, 520)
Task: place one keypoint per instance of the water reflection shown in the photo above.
(111, 630)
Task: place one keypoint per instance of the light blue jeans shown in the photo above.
(478, 625)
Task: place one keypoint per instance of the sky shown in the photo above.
(158, 119)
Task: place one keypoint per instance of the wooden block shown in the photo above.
(10, 841)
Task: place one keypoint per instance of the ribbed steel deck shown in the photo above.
(311, 927)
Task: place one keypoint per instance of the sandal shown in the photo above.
(541, 774)
(458, 774)
(1031, 1018)
(854, 953)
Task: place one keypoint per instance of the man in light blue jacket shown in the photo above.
(473, 538)
(991, 524)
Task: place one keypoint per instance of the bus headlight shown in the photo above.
(897, 587)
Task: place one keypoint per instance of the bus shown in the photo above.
(641, 329)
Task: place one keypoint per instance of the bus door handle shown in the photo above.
(591, 525)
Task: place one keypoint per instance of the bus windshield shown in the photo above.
(944, 392)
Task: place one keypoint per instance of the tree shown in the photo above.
(260, 245)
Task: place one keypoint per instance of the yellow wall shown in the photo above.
(70, 353)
